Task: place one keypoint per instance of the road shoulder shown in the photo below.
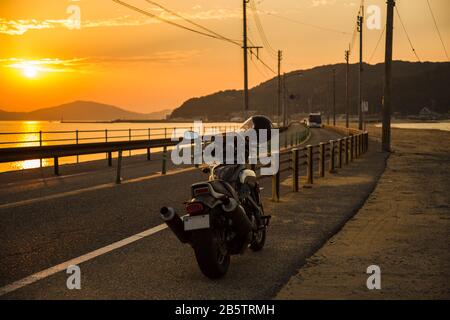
(404, 228)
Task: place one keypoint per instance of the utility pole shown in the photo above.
(347, 56)
(334, 97)
(245, 60)
(386, 111)
(283, 80)
(280, 55)
(360, 30)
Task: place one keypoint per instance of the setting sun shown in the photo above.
(30, 71)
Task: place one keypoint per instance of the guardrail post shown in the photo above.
(339, 164)
(352, 142)
(40, 145)
(322, 159)
(129, 139)
(357, 146)
(364, 142)
(309, 169)
(294, 170)
(367, 142)
(361, 144)
(346, 150)
(148, 149)
(332, 157)
(110, 159)
(76, 139)
(56, 166)
(164, 161)
(285, 139)
(106, 140)
(119, 167)
(276, 186)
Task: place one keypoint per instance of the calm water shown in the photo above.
(27, 133)
(445, 126)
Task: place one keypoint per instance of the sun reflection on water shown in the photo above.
(30, 138)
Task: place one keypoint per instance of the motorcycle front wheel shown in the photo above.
(211, 252)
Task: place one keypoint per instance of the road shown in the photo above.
(46, 221)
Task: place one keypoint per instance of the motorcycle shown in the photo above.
(224, 217)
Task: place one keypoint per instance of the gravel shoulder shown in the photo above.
(403, 227)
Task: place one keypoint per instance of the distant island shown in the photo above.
(84, 111)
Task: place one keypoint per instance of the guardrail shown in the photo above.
(62, 137)
(65, 150)
(337, 152)
(346, 150)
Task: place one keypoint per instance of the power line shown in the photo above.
(266, 65)
(378, 43)
(407, 35)
(437, 29)
(261, 30)
(192, 22)
(264, 74)
(175, 24)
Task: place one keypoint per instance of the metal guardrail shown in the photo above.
(108, 147)
(42, 138)
(338, 153)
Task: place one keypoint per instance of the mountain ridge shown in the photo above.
(82, 110)
(415, 86)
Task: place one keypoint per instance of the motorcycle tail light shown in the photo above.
(195, 208)
(201, 191)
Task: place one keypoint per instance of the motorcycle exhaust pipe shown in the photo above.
(174, 222)
(241, 222)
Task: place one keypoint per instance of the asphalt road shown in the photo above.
(46, 220)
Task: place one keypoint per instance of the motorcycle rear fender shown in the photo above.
(208, 200)
(211, 192)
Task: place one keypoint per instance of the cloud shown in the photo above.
(317, 3)
(88, 64)
(21, 26)
(45, 64)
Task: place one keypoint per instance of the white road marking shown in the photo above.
(76, 261)
(93, 188)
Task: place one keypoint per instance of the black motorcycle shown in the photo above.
(224, 217)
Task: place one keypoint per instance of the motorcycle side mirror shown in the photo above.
(206, 170)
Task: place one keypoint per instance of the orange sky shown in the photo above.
(126, 59)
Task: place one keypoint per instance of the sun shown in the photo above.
(30, 71)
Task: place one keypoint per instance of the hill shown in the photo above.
(415, 85)
(82, 111)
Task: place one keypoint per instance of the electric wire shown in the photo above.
(437, 29)
(407, 35)
(149, 14)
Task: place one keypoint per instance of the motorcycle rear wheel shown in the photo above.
(211, 252)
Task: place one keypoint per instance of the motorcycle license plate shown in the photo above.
(196, 222)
